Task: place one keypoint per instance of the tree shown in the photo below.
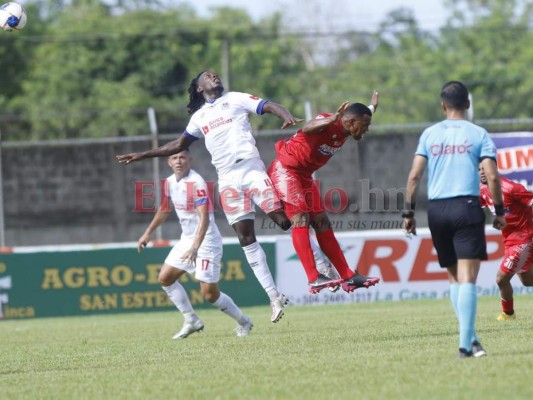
(100, 72)
(486, 44)
(16, 54)
(93, 68)
(94, 71)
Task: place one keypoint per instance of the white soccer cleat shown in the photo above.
(244, 328)
(189, 328)
(332, 273)
(478, 350)
(277, 307)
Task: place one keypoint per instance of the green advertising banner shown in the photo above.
(87, 282)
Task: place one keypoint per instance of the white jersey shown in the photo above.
(187, 194)
(224, 124)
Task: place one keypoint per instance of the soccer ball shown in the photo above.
(12, 16)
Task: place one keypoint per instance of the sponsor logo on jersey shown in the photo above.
(447, 149)
(327, 150)
(219, 122)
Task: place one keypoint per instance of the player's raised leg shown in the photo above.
(256, 257)
(330, 246)
(240, 212)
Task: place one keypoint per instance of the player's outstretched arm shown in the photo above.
(174, 147)
(317, 124)
(374, 101)
(282, 112)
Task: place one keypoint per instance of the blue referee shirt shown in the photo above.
(453, 149)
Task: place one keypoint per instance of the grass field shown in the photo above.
(402, 350)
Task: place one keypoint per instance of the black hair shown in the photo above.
(196, 98)
(358, 110)
(455, 95)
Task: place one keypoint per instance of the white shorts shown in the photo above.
(207, 267)
(247, 185)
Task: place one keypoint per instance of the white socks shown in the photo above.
(257, 259)
(226, 304)
(177, 294)
(320, 261)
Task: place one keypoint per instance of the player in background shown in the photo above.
(198, 251)
(517, 239)
(292, 174)
(452, 150)
(222, 119)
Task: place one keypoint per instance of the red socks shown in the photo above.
(508, 306)
(302, 245)
(329, 245)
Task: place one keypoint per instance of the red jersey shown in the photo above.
(517, 203)
(306, 153)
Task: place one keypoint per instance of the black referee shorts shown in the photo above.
(457, 228)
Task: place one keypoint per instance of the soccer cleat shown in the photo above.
(505, 317)
(463, 353)
(333, 289)
(358, 281)
(189, 328)
(477, 349)
(245, 328)
(323, 282)
(332, 273)
(277, 307)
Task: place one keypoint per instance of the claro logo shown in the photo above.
(447, 149)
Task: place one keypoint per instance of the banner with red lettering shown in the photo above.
(515, 156)
(408, 268)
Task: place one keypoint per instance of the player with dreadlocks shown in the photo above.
(222, 119)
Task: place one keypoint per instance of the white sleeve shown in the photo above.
(247, 102)
(193, 129)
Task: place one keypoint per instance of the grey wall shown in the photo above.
(69, 193)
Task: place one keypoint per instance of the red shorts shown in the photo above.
(298, 193)
(517, 258)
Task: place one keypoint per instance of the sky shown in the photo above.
(337, 15)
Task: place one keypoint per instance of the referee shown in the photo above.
(452, 150)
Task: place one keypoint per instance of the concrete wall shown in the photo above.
(66, 194)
